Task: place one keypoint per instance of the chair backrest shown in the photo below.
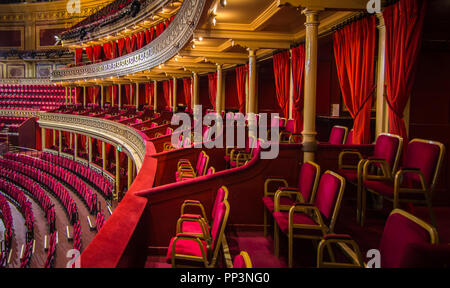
(349, 140)
(290, 126)
(329, 196)
(211, 171)
(222, 194)
(308, 180)
(218, 228)
(199, 160)
(401, 231)
(203, 165)
(389, 148)
(426, 156)
(338, 135)
(242, 261)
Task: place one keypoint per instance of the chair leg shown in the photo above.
(330, 252)
(265, 222)
(276, 239)
(430, 208)
(291, 240)
(363, 206)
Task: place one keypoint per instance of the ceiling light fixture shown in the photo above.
(223, 3)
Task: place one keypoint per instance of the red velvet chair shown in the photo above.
(388, 147)
(305, 191)
(198, 224)
(414, 182)
(187, 250)
(242, 261)
(349, 140)
(311, 220)
(231, 154)
(288, 135)
(405, 238)
(186, 171)
(338, 135)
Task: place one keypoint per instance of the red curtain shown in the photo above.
(282, 79)
(298, 67)
(120, 46)
(241, 73)
(90, 94)
(212, 87)
(97, 53)
(78, 55)
(187, 91)
(140, 39)
(149, 93)
(159, 28)
(48, 138)
(130, 43)
(129, 93)
(96, 94)
(166, 88)
(90, 53)
(354, 51)
(404, 22)
(109, 49)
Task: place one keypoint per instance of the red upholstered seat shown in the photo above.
(242, 261)
(337, 135)
(186, 247)
(282, 219)
(269, 203)
(349, 140)
(350, 175)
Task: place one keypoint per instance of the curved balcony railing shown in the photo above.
(164, 47)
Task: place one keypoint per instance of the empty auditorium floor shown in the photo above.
(261, 249)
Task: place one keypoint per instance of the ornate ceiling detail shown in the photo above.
(164, 47)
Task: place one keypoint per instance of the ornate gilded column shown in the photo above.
(65, 95)
(137, 96)
(70, 96)
(102, 98)
(219, 89)
(43, 139)
(252, 106)
(54, 137)
(71, 141)
(309, 127)
(89, 149)
(381, 110)
(174, 101)
(120, 96)
(112, 96)
(118, 173)
(76, 96)
(155, 95)
(75, 148)
(130, 172)
(60, 141)
(84, 96)
(104, 155)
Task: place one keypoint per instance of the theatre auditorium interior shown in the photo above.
(224, 133)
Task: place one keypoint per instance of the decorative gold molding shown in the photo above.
(19, 113)
(26, 81)
(164, 47)
(108, 131)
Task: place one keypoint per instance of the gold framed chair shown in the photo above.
(417, 176)
(242, 261)
(307, 220)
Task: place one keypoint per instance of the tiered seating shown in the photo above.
(311, 220)
(236, 157)
(414, 182)
(36, 191)
(5, 213)
(50, 261)
(407, 242)
(77, 235)
(186, 170)
(190, 249)
(100, 220)
(55, 187)
(82, 189)
(92, 176)
(31, 97)
(284, 196)
(25, 260)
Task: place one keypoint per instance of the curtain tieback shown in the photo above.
(365, 101)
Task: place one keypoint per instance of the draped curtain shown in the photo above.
(187, 91)
(97, 53)
(129, 92)
(149, 92)
(90, 53)
(130, 43)
(140, 39)
(298, 67)
(281, 72)
(96, 97)
(78, 55)
(120, 46)
(241, 73)
(212, 87)
(404, 22)
(166, 89)
(90, 94)
(354, 51)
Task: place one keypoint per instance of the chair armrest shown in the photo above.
(188, 237)
(271, 180)
(241, 158)
(283, 192)
(346, 153)
(197, 219)
(193, 203)
(293, 136)
(305, 208)
(399, 179)
(385, 169)
(348, 246)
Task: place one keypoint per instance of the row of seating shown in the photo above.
(50, 261)
(54, 186)
(42, 107)
(21, 88)
(104, 185)
(185, 170)
(76, 238)
(5, 213)
(100, 220)
(25, 260)
(22, 201)
(38, 193)
(80, 187)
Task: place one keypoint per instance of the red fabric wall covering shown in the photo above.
(130, 43)
(298, 67)
(90, 53)
(231, 97)
(149, 93)
(354, 50)
(212, 89)
(166, 93)
(160, 94)
(187, 91)
(78, 55)
(267, 96)
(404, 22)
(97, 53)
(180, 92)
(97, 95)
(281, 71)
(204, 93)
(241, 72)
(120, 46)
